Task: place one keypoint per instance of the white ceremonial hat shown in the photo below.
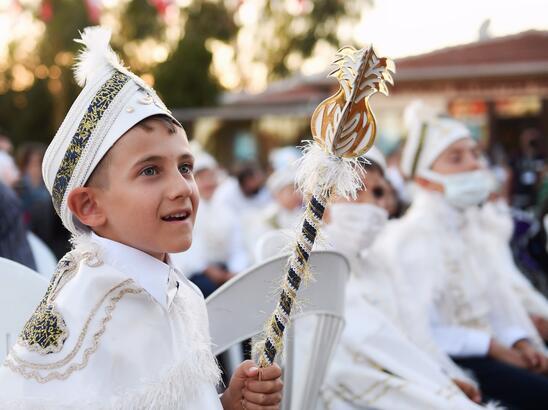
(428, 136)
(283, 157)
(202, 158)
(112, 101)
(281, 178)
(375, 156)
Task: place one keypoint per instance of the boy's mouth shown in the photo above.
(176, 216)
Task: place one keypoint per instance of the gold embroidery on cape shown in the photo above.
(46, 331)
(24, 367)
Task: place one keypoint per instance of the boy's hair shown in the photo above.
(246, 170)
(98, 177)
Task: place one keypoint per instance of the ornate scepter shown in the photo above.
(343, 128)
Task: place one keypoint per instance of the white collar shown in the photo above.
(150, 273)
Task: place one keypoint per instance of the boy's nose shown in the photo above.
(475, 165)
(179, 186)
(473, 162)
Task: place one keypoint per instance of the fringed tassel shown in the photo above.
(323, 173)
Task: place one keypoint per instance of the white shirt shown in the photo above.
(152, 274)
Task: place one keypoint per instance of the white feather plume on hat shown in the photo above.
(96, 56)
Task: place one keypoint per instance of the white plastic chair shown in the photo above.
(272, 243)
(238, 310)
(46, 262)
(21, 289)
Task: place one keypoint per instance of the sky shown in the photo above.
(400, 28)
(397, 28)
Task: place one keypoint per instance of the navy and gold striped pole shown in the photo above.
(296, 270)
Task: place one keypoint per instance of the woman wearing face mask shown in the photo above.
(452, 293)
(375, 364)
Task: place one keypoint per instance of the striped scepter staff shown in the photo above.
(343, 129)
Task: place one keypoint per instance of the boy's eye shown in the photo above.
(185, 169)
(149, 171)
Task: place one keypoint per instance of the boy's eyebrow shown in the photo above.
(155, 158)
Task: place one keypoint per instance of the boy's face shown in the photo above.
(151, 199)
(461, 156)
(289, 198)
(378, 190)
(207, 181)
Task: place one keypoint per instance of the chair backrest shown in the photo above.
(46, 262)
(272, 243)
(238, 310)
(21, 289)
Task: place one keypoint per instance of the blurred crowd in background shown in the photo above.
(257, 199)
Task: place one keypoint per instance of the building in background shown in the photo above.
(498, 86)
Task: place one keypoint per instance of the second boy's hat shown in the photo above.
(112, 101)
(428, 136)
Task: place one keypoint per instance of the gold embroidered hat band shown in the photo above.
(112, 101)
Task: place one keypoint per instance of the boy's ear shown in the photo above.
(82, 202)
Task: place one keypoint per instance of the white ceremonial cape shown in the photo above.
(375, 365)
(495, 218)
(117, 329)
(452, 296)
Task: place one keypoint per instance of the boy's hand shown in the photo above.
(506, 355)
(246, 392)
(534, 359)
(470, 390)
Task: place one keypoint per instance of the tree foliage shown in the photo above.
(286, 33)
(35, 113)
(185, 79)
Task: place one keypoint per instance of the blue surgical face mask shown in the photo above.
(464, 189)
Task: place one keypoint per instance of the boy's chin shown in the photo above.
(178, 247)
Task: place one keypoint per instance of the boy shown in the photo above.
(453, 292)
(119, 326)
(375, 365)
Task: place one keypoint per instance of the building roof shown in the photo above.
(529, 46)
(518, 60)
